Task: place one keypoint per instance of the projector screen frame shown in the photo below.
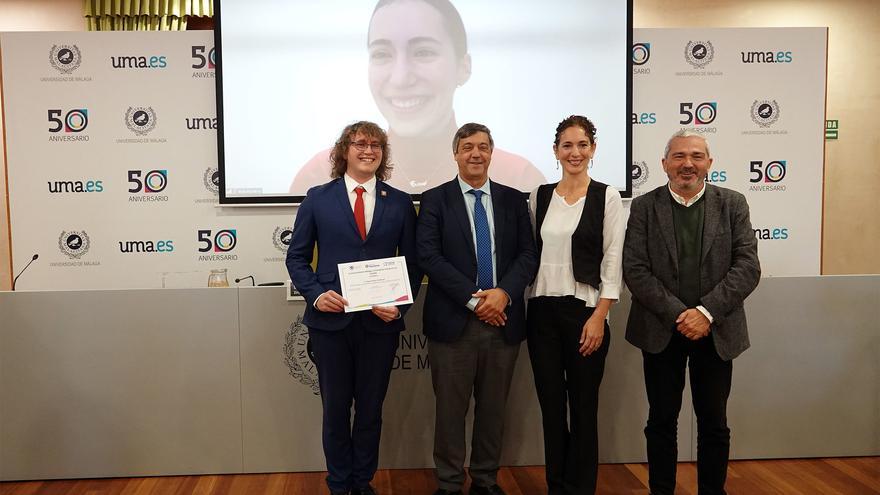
(295, 200)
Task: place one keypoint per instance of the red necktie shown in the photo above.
(359, 218)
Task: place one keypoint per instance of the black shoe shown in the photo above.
(368, 490)
(339, 493)
(447, 492)
(486, 490)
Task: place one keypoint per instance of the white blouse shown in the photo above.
(555, 273)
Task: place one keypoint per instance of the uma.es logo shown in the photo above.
(140, 120)
(643, 118)
(76, 186)
(768, 57)
(74, 243)
(772, 233)
(222, 241)
(65, 58)
(135, 247)
(138, 62)
(716, 176)
(201, 123)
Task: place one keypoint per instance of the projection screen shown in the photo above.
(291, 74)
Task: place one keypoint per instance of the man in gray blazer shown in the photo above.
(690, 259)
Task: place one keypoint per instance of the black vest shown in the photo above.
(586, 241)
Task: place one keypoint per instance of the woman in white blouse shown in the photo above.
(579, 228)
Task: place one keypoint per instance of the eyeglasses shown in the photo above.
(363, 145)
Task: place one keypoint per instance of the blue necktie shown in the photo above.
(484, 243)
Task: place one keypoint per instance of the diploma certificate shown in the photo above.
(382, 282)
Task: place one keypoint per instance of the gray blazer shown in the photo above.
(729, 270)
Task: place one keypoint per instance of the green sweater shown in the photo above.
(689, 244)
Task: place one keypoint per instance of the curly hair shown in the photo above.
(576, 121)
(339, 153)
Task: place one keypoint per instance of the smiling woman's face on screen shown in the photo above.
(414, 68)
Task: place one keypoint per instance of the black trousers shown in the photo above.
(568, 388)
(353, 365)
(710, 388)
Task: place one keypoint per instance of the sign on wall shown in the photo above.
(112, 157)
(758, 96)
(112, 162)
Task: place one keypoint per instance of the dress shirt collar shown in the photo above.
(369, 186)
(465, 187)
(686, 202)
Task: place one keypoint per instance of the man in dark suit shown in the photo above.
(690, 259)
(354, 217)
(475, 243)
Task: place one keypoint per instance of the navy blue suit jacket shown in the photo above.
(325, 217)
(446, 253)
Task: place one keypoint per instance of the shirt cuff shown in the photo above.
(315, 304)
(706, 313)
(472, 304)
(609, 291)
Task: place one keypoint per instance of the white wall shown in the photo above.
(29, 15)
(852, 179)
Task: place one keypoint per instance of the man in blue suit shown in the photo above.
(475, 242)
(354, 217)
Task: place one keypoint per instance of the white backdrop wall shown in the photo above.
(111, 150)
(758, 95)
(78, 234)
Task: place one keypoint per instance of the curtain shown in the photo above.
(143, 15)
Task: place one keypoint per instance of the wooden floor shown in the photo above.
(838, 476)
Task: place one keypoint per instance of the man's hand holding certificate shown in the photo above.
(381, 282)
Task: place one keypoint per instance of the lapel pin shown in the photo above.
(383, 193)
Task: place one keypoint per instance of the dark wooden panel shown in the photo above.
(844, 476)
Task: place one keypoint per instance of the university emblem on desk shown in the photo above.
(298, 355)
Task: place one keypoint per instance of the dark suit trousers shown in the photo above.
(481, 363)
(710, 388)
(353, 364)
(568, 389)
